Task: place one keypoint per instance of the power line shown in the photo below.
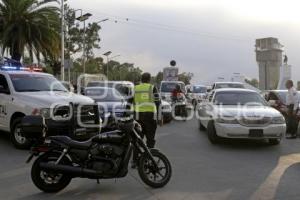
(171, 28)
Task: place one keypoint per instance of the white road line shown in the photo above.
(268, 188)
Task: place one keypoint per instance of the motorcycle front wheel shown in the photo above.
(49, 181)
(152, 176)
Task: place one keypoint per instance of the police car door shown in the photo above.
(4, 101)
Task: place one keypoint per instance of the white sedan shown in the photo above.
(240, 113)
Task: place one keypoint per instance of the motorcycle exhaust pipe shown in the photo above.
(70, 170)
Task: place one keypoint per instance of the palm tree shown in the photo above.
(29, 26)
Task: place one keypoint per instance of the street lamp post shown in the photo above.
(83, 18)
(107, 54)
(111, 59)
(107, 61)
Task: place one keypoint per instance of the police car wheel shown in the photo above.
(17, 138)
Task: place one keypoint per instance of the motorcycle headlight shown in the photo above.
(278, 120)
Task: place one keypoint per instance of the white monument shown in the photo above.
(269, 59)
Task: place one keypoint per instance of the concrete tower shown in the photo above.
(269, 59)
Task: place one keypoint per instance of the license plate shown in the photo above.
(256, 133)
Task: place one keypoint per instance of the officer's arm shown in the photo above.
(156, 95)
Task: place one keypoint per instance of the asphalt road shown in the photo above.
(231, 170)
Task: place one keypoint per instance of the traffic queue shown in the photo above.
(94, 133)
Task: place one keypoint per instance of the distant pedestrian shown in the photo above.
(292, 101)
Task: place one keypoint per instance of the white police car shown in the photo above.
(24, 92)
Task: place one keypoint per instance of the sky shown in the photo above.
(211, 39)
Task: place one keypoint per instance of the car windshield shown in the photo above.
(170, 86)
(124, 90)
(104, 94)
(36, 83)
(238, 98)
(99, 84)
(199, 89)
(229, 85)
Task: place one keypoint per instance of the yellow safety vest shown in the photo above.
(144, 98)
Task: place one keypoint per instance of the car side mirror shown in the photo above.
(4, 90)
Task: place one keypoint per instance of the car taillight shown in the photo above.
(40, 149)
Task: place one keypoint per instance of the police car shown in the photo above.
(26, 92)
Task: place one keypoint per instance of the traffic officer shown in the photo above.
(146, 105)
(292, 102)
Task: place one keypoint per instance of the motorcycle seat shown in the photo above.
(113, 137)
(72, 143)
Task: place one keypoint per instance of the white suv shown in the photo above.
(29, 93)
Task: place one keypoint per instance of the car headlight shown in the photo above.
(278, 120)
(227, 120)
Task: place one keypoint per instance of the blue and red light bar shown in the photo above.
(13, 65)
(14, 68)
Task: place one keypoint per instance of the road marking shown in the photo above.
(268, 188)
(220, 195)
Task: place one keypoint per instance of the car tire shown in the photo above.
(274, 141)
(201, 127)
(211, 133)
(16, 137)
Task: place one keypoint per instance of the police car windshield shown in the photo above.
(36, 83)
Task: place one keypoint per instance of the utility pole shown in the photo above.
(62, 40)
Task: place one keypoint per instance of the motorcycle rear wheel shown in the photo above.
(152, 177)
(49, 181)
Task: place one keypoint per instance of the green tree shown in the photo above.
(158, 78)
(76, 36)
(185, 77)
(92, 39)
(30, 25)
(253, 82)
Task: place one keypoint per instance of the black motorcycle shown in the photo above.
(104, 156)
